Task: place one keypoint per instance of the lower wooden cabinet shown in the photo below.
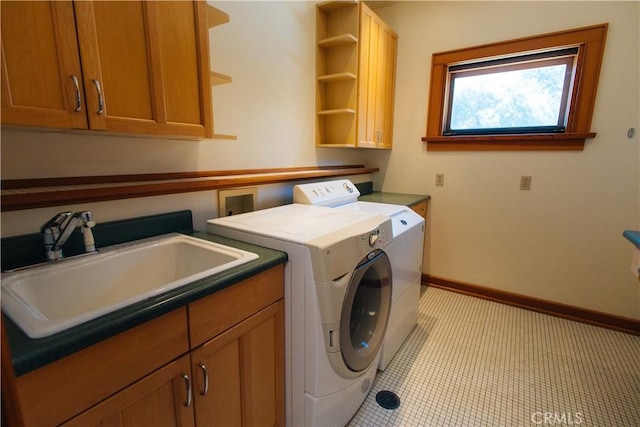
(235, 379)
(160, 400)
(58, 391)
(239, 375)
(421, 208)
(154, 375)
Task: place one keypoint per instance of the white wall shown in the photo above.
(268, 49)
(561, 241)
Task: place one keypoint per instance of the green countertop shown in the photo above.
(29, 354)
(394, 198)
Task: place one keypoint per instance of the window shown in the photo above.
(521, 94)
(527, 94)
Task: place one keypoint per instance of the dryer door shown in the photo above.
(365, 311)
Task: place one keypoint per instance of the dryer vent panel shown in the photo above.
(237, 201)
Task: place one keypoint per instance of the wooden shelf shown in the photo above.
(336, 145)
(333, 5)
(336, 73)
(337, 77)
(217, 79)
(337, 111)
(216, 17)
(339, 40)
(223, 136)
(21, 194)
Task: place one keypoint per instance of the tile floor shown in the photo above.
(472, 362)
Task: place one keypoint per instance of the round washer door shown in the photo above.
(365, 311)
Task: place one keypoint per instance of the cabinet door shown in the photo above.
(142, 66)
(376, 77)
(159, 399)
(41, 75)
(421, 208)
(239, 375)
(367, 76)
(386, 86)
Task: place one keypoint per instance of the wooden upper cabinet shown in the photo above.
(144, 64)
(376, 76)
(355, 63)
(41, 73)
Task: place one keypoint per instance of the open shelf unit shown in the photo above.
(216, 17)
(336, 70)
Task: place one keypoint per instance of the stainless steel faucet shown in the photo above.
(57, 230)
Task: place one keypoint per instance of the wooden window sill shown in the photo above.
(533, 142)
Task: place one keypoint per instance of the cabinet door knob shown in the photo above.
(76, 88)
(205, 379)
(100, 97)
(187, 383)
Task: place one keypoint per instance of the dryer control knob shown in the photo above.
(373, 238)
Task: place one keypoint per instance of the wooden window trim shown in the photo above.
(591, 42)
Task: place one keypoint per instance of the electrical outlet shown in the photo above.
(525, 183)
(439, 180)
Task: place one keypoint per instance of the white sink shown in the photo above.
(55, 296)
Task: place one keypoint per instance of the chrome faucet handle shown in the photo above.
(57, 230)
(51, 229)
(56, 221)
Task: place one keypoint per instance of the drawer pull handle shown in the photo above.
(187, 383)
(100, 97)
(76, 88)
(205, 378)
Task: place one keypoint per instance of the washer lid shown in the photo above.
(374, 208)
(294, 223)
(402, 217)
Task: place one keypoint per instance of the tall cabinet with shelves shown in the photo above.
(355, 65)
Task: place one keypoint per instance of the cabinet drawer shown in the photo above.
(60, 390)
(421, 208)
(216, 313)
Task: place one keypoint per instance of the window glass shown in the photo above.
(521, 97)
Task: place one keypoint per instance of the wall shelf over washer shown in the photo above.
(21, 194)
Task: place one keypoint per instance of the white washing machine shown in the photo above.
(405, 253)
(337, 302)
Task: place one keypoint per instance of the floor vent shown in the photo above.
(387, 399)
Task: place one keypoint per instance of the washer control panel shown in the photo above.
(380, 238)
(373, 237)
(329, 193)
(337, 253)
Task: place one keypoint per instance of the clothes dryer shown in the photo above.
(405, 253)
(337, 302)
